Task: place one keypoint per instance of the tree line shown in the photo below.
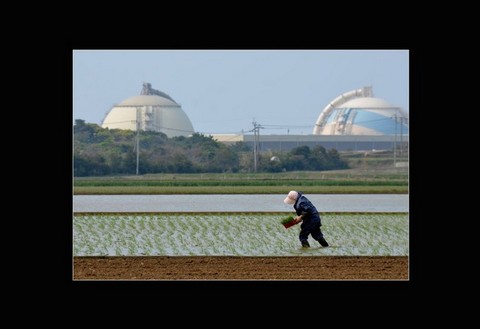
(101, 151)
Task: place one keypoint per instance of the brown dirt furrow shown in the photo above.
(240, 268)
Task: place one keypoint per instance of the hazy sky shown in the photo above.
(224, 91)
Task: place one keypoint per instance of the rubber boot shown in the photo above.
(323, 242)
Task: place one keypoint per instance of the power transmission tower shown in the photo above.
(401, 146)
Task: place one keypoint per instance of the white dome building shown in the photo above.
(359, 113)
(152, 110)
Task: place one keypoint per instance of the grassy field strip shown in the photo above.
(146, 190)
(236, 235)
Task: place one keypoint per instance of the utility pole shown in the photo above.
(401, 136)
(395, 144)
(138, 136)
(256, 135)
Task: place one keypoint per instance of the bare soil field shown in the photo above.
(225, 268)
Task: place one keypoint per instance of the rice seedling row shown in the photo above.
(236, 235)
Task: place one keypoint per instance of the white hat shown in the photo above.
(291, 197)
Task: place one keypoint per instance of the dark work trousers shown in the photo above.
(314, 230)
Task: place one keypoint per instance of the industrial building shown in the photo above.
(338, 142)
(353, 121)
(152, 110)
(358, 113)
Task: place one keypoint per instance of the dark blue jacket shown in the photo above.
(304, 207)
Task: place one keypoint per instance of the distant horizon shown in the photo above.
(224, 92)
